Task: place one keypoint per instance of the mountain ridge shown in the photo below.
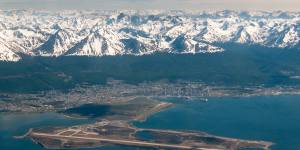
(100, 33)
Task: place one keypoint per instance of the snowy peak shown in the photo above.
(93, 45)
(100, 33)
(56, 45)
(184, 44)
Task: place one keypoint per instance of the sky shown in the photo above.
(285, 5)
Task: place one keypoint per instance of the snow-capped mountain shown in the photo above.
(56, 44)
(99, 33)
(6, 54)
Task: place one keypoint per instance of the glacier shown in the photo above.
(129, 32)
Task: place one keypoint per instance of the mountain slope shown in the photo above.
(6, 54)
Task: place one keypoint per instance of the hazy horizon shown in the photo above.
(270, 5)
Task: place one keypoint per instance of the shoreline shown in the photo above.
(270, 144)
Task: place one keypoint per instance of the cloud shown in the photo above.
(152, 4)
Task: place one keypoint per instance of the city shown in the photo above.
(118, 91)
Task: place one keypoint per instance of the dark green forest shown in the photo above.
(237, 65)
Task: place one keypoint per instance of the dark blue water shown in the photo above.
(272, 118)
